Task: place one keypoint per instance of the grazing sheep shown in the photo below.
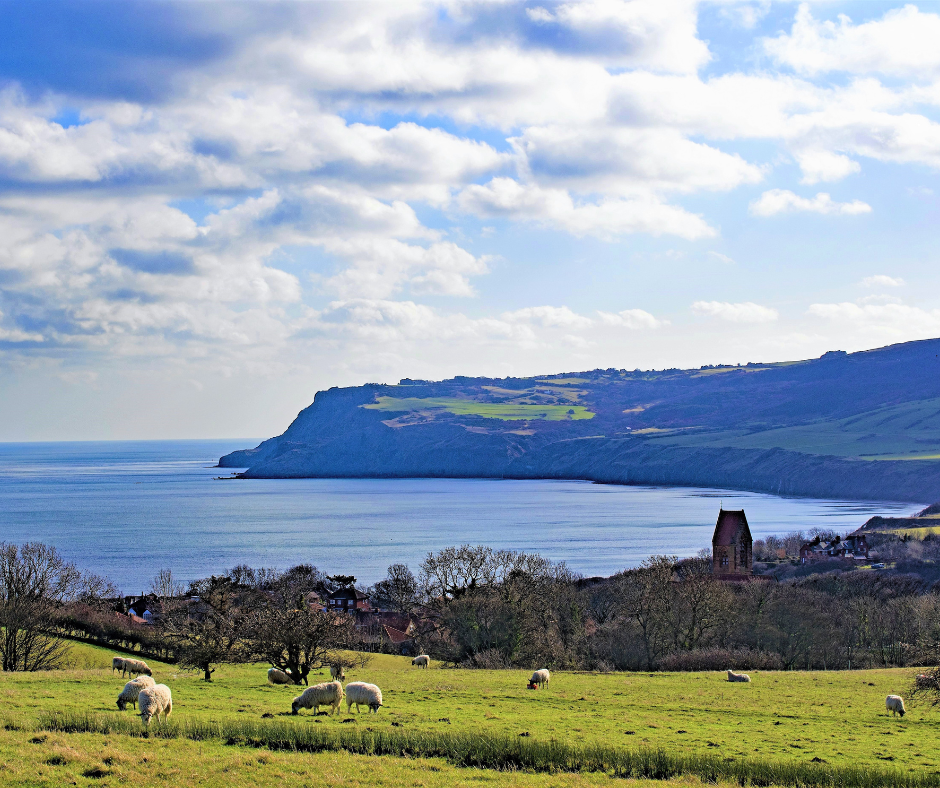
(422, 661)
(337, 672)
(154, 701)
(540, 679)
(276, 676)
(327, 694)
(117, 664)
(732, 676)
(136, 667)
(367, 694)
(895, 704)
(132, 690)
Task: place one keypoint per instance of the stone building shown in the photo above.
(732, 545)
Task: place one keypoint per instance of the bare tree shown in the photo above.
(210, 630)
(164, 586)
(645, 595)
(398, 591)
(35, 581)
(293, 635)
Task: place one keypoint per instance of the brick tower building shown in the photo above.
(731, 545)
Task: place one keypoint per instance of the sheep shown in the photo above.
(328, 694)
(117, 664)
(136, 667)
(337, 672)
(276, 676)
(366, 694)
(153, 701)
(540, 679)
(895, 704)
(422, 661)
(132, 690)
(732, 676)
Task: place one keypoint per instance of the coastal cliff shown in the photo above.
(856, 426)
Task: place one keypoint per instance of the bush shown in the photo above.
(721, 659)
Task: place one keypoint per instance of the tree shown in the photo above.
(644, 594)
(398, 591)
(35, 582)
(293, 636)
(343, 581)
(211, 630)
(164, 586)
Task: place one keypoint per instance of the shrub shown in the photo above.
(721, 659)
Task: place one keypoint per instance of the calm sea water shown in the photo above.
(128, 509)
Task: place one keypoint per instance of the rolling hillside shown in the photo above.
(862, 426)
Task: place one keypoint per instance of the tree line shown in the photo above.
(474, 606)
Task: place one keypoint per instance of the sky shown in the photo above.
(211, 210)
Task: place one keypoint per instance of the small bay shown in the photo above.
(129, 508)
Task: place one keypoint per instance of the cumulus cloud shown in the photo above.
(607, 218)
(631, 318)
(902, 43)
(777, 201)
(745, 312)
(892, 319)
(881, 280)
(553, 316)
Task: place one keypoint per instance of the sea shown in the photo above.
(127, 509)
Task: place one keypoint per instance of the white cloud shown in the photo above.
(881, 280)
(608, 218)
(549, 316)
(631, 318)
(892, 320)
(722, 258)
(777, 201)
(823, 165)
(745, 312)
(902, 43)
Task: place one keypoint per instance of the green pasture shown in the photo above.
(506, 411)
(838, 718)
(909, 431)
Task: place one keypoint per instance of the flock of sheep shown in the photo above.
(893, 703)
(155, 699)
(152, 698)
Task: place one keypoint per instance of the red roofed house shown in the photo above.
(731, 545)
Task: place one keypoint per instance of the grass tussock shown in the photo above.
(501, 752)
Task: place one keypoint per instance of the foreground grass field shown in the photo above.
(802, 718)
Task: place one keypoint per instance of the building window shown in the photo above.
(723, 561)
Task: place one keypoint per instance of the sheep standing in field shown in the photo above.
(276, 676)
(155, 701)
(117, 664)
(132, 689)
(327, 694)
(732, 676)
(367, 694)
(136, 667)
(337, 673)
(422, 661)
(895, 704)
(540, 679)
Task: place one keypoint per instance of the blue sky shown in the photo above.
(211, 210)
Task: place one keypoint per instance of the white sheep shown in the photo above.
(422, 661)
(132, 690)
(540, 679)
(276, 676)
(367, 694)
(327, 694)
(136, 667)
(337, 672)
(155, 701)
(732, 676)
(895, 704)
(117, 664)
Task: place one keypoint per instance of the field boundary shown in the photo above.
(501, 752)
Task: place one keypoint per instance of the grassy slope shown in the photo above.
(907, 431)
(838, 717)
(504, 411)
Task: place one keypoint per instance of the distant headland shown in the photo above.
(859, 426)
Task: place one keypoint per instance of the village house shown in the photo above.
(732, 546)
(853, 547)
(348, 600)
